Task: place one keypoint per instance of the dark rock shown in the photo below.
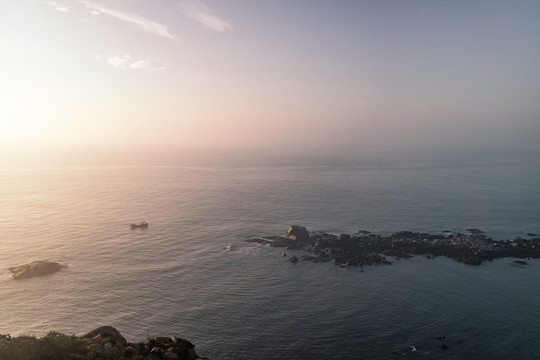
(471, 260)
(143, 225)
(321, 244)
(163, 339)
(344, 237)
(308, 258)
(130, 351)
(158, 352)
(280, 241)
(182, 343)
(293, 259)
(521, 262)
(298, 233)
(106, 332)
(444, 346)
(169, 355)
(107, 341)
(36, 268)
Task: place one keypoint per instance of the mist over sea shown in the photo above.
(191, 273)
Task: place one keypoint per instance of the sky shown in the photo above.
(251, 74)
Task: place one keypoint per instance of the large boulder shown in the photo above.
(298, 233)
(35, 268)
(182, 343)
(106, 332)
(130, 351)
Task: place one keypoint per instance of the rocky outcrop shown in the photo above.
(277, 241)
(106, 332)
(108, 341)
(297, 238)
(298, 233)
(365, 248)
(36, 268)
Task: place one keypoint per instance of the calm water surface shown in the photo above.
(191, 273)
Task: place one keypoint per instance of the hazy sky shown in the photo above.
(279, 73)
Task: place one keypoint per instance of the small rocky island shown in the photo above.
(35, 268)
(365, 248)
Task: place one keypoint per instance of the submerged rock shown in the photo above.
(35, 268)
(475, 231)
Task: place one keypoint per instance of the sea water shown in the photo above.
(192, 274)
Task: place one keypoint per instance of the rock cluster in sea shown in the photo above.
(108, 340)
(365, 248)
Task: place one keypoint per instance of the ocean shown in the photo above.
(192, 274)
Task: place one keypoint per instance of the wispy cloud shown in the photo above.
(126, 62)
(199, 11)
(58, 6)
(142, 23)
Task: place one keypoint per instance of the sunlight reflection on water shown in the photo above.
(191, 273)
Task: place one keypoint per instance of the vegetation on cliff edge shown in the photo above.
(57, 346)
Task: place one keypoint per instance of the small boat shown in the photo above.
(142, 225)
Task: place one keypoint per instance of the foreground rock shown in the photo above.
(365, 248)
(108, 341)
(36, 268)
(106, 332)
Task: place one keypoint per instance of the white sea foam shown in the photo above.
(246, 248)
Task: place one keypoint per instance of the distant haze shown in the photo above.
(139, 79)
